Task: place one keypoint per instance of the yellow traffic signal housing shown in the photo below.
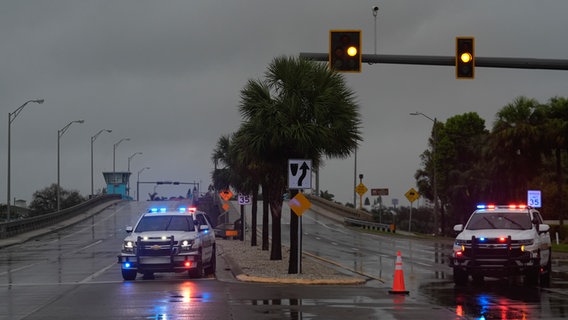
(465, 58)
(345, 53)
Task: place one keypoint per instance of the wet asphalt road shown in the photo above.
(73, 274)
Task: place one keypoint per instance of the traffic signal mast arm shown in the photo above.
(487, 62)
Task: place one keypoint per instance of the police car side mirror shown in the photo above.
(458, 228)
(129, 229)
(542, 228)
(203, 227)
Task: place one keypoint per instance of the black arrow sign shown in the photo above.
(304, 169)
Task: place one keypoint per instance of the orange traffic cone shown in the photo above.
(398, 283)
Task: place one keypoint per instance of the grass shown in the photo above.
(559, 247)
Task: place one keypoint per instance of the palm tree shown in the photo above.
(515, 148)
(556, 137)
(302, 110)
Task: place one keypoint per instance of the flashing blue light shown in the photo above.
(206, 231)
(182, 209)
(126, 265)
(153, 210)
(162, 210)
(482, 239)
(481, 206)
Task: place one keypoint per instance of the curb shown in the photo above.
(241, 276)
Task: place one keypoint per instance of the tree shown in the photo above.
(515, 148)
(301, 110)
(45, 200)
(555, 131)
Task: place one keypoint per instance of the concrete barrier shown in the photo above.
(13, 228)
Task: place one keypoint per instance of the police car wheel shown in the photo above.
(198, 272)
(460, 277)
(213, 263)
(128, 274)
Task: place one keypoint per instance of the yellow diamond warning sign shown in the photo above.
(299, 204)
(412, 195)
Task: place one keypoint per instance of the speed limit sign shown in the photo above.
(533, 199)
(244, 199)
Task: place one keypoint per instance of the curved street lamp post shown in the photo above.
(11, 117)
(128, 184)
(138, 183)
(60, 133)
(434, 183)
(93, 138)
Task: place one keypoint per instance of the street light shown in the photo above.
(59, 135)
(138, 183)
(11, 117)
(128, 184)
(434, 183)
(93, 138)
(114, 153)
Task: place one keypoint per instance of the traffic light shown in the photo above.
(345, 50)
(465, 58)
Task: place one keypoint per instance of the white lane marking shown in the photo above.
(98, 273)
(18, 269)
(86, 247)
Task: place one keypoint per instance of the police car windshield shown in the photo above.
(500, 220)
(165, 223)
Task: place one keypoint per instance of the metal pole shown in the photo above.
(128, 182)
(60, 133)
(93, 138)
(434, 173)
(487, 62)
(11, 117)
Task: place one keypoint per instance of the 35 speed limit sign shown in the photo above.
(534, 199)
(244, 199)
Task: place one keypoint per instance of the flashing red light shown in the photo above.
(490, 206)
(512, 206)
(187, 264)
(192, 209)
(459, 253)
(502, 239)
(522, 206)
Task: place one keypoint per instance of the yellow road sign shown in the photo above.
(412, 195)
(299, 204)
(361, 189)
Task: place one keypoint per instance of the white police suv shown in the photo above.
(502, 241)
(166, 241)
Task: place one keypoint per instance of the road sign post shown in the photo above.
(299, 177)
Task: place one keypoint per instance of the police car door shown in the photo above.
(205, 237)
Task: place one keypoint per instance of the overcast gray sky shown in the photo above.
(167, 75)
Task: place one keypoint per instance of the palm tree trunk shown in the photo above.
(559, 181)
(276, 212)
(265, 206)
(254, 211)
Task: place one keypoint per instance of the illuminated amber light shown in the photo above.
(466, 57)
(352, 51)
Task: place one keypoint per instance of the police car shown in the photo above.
(502, 241)
(166, 241)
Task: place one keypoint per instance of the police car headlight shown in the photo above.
(460, 242)
(128, 247)
(186, 245)
(526, 242)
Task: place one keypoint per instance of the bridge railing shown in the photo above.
(13, 228)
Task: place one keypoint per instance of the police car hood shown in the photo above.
(178, 235)
(496, 233)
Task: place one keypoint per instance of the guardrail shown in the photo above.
(12, 228)
(370, 225)
(340, 209)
